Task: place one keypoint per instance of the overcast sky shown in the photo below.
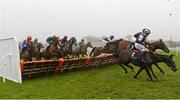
(79, 18)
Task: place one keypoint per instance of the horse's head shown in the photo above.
(89, 44)
(163, 46)
(159, 45)
(170, 62)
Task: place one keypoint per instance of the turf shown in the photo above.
(104, 82)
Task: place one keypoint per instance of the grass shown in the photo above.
(106, 82)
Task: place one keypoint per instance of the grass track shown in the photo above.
(105, 82)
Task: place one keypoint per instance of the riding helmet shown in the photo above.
(146, 31)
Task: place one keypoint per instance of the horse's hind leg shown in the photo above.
(123, 68)
(129, 67)
(153, 73)
(139, 71)
(159, 69)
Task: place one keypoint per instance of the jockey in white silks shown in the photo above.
(142, 45)
(141, 39)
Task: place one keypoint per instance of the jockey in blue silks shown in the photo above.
(26, 42)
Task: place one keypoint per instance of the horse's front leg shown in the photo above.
(123, 68)
(153, 73)
(161, 71)
(148, 73)
(139, 71)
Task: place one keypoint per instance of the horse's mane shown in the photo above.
(156, 41)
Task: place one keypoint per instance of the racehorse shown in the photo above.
(68, 47)
(53, 51)
(123, 45)
(37, 49)
(82, 50)
(106, 49)
(125, 58)
(27, 53)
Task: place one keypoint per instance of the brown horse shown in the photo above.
(52, 51)
(108, 48)
(82, 50)
(37, 49)
(26, 54)
(68, 48)
(121, 44)
(124, 45)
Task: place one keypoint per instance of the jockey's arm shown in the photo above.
(136, 35)
(140, 38)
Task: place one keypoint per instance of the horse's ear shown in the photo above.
(160, 40)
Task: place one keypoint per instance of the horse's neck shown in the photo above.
(158, 58)
(85, 47)
(69, 45)
(153, 46)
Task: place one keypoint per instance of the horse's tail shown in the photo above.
(92, 51)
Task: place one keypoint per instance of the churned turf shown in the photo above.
(105, 82)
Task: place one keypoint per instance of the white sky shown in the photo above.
(79, 18)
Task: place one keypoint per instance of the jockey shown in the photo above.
(63, 41)
(49, 40)
(35, 40)
(26, 42)
(108, 40)
(141, 44)
(81, 44)
(141, 39)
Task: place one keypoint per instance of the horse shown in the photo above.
(53, 51)
(124, 44)
(68, 47)
(37, 50)
(27, 53)
(125, 58)
(82, 50)
(96, 51)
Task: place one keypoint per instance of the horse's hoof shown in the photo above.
(126, 72)
(135, 77)
(162, 73)
(132, 70)
(156, 77)
(150, 79)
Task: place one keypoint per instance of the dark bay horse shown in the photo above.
(26, 54)
(37, 49)
(82, 51)
(68, 48)
(123, 45)
(108, 48)
(53, 51)
(125, 58)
